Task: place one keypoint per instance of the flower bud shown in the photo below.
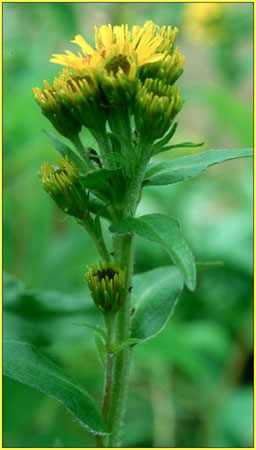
(64, 187)
(83, 95)
(156, 105)
(53, 107)
(107, 286)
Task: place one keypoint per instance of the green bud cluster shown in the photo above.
(156, 105)
(82, 94)
(54, 108)
(107, 284)
(63, 186)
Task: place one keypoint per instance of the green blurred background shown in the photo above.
(192, 385)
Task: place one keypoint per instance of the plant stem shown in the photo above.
(120, 123)
(82, 151)
(122, 361)
(104, 147)
(98, 239)
(109, 367)
(124, 254)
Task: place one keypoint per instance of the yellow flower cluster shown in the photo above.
(98, 80)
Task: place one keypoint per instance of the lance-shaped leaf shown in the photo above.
(155, 295)
(162, 142)
(24, 363)
(165, 231)
(64, 150)
(180, 169)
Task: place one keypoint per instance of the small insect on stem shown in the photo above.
(93, 156)
(112, 179)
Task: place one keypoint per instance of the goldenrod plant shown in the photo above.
(124, 92)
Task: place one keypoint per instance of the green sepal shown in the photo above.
(64, 150)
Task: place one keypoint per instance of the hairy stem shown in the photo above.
(109, 366)
(122, 361)
(124, 254)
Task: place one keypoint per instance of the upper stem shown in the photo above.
(120, 123)
(109, 367)
(104, 147)
(82, 151)
(124, 253)
(97, 238)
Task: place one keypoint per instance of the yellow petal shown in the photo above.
(79, 40)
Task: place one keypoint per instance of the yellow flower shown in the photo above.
(141, 44)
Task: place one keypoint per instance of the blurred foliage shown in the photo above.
(192, 385)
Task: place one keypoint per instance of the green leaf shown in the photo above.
(96, 328)
(116, 146)
(97, 206)
(206, 264)
(176, 170)
(165, 231)
(24, 363)
(101, 348)
(125, 149)
(182, 145)
(106, 182)
(155, 295)
(41, 317)
(64, 150)
(160, 144)
(127, 343)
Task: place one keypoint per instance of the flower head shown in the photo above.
(141, 44)
(63, 186)
(156, 105)
(83, 96)
(107, 286)
(54, 108)
(126, 72)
